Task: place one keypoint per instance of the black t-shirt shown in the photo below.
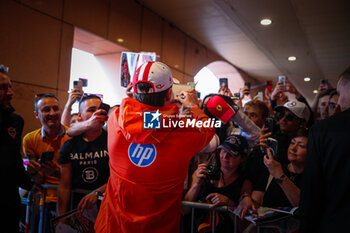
(90, 169)
(232, 191)
(274, 195)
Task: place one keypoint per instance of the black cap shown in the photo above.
(236, 145)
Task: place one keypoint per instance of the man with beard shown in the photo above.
(42, 146)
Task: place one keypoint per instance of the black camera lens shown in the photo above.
(213, 172)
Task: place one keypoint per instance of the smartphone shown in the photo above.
(269, 85)
(198, 94)
(282, 78)
(223, 82)
(191, 84)
(260, 96)
(248, 85)
(78, 85)
(47, 156)
(85, 81)
(269, 125)
(105, 107)
(272, 144)
(324, 83)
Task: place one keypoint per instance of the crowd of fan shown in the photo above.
(258, 157)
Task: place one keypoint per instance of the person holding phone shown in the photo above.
(74, 95)
(285, 183)
(42, 147)
(84, 158)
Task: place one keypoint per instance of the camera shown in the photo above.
(213, 172)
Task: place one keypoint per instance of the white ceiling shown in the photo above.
(317, 32)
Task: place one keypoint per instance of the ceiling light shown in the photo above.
(120, 40)
(307, 79)
(315, 91)
(292, 58)
(265, 21)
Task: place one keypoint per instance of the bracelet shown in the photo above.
(280, 180)
(98, 193)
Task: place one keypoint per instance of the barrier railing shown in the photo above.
(31, 209)
(198, 205)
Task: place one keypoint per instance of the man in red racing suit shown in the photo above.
(148, 166)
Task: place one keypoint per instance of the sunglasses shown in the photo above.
(289, 116)
(90, 95)
(43, 95)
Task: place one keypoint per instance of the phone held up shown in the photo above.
(272, 145)
(282, 79)
(223, 82)
(47, 156)
(324, 83)
(105, 107)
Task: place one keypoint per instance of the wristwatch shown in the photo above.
(280, 180)
(98, 193)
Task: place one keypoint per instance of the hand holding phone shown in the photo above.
(282, 79)
(105, 107)
(47, 156)
(78, 85)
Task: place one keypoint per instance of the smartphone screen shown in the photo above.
(260, 96)
(223, 82)
(282, 79)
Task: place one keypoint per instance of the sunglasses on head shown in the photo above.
(289, 116)
(43, 95)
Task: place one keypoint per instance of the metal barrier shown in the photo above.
(198, 205)
(30, 212)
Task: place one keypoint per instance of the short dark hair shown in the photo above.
(344, 77)
(302, 132)
(152, 99)
(39, 97)
(333, 93)
(264, 110)
(87, 97)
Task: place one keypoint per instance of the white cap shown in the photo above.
(155, 73)
(297, 108)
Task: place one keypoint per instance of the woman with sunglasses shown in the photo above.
(290, 117)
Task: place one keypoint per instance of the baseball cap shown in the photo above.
(236, 145)
(221, 107)
(155, 73)
(297, 108)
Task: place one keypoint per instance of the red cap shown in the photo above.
(219, 108)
